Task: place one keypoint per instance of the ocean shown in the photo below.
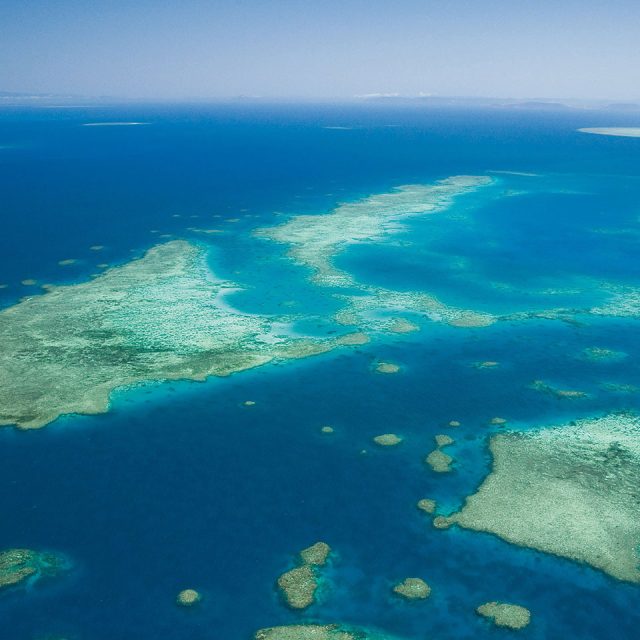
(182, 485)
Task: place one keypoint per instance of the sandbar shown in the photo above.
(624, 132)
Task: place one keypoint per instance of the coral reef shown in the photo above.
(570, 491)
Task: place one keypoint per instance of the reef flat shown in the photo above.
(569, 490)
(316, 239)
(160, 317)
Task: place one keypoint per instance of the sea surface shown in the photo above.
(182, 485)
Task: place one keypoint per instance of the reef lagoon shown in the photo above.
(319, 372)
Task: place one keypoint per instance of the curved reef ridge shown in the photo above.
(316, 239)
(160, 317)
(571, 491)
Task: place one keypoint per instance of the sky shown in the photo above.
(181, 49)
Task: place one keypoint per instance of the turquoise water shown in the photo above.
(182, 485)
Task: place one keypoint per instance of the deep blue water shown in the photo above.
(181, 485)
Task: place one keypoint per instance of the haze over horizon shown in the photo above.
(287, 48)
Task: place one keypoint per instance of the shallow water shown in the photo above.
(181, 485)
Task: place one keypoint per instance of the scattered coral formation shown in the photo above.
(512, 616)
(413, 589)
(571, 491)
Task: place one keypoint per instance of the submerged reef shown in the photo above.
(571, 491)
(512, 616)
(22, 565)
(316, 239)
(413, 589)
(543, 387)
(600, 354)
(486, 364)
(298, 586)
(401, 325)
(160, 317)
